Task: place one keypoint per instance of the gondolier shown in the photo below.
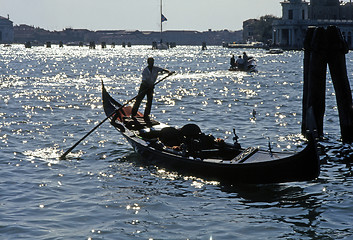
(149, 76)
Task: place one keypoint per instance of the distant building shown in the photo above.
(6, 30)
(24, 33)
(179, 37)
(249, 30)
(298, 15)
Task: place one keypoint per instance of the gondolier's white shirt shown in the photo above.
(149, 77)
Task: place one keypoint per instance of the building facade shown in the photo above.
(24, 33)
(6, 30)
(298, 15)
(249, 30)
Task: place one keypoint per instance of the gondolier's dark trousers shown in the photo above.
(144, 90)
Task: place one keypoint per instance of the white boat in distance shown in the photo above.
(161, 45)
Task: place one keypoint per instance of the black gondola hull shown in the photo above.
(298, 167)
(261, 167)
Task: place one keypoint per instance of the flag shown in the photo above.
(163, 18)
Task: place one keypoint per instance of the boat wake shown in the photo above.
(49, 154)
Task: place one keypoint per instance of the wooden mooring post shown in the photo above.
(326, 47)
(315, 66)
(204, 46)
(28, 45)
(92, 45)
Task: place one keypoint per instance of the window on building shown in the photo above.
(290, 14)
(303, 14)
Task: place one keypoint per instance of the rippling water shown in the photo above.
(50, 98)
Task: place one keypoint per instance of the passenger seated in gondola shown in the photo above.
(195, 140)
(170, 136)
(189, 139)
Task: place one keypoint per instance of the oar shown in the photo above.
(70, 149)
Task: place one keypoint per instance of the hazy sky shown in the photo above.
(198, 15)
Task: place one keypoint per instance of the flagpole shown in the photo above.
(161, 20)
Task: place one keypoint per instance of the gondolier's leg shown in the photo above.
(138, 100)
(148, 104)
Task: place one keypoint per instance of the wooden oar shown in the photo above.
(70, 149)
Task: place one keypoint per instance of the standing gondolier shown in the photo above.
(149, 76)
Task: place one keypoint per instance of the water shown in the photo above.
(50, 98)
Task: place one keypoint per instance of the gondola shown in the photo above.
(189, 151)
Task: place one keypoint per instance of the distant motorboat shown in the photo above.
(160, 46)
(249, 67)
(245, 45)
(275, 51)
(72, 44)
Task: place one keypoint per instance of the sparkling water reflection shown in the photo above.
(51, 97)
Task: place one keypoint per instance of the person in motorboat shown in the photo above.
(240, 63)
(232, 62)
(245, 58)
(149, 77)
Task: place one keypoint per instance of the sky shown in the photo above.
(143, 15)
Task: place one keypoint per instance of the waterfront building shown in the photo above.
(6, 30)
(24, 33)
(258, 30)
(298, 15)
(249, 30)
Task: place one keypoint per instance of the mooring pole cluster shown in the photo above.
(326, 47)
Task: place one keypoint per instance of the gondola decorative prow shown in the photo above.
(270, 147)
(235, 139)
